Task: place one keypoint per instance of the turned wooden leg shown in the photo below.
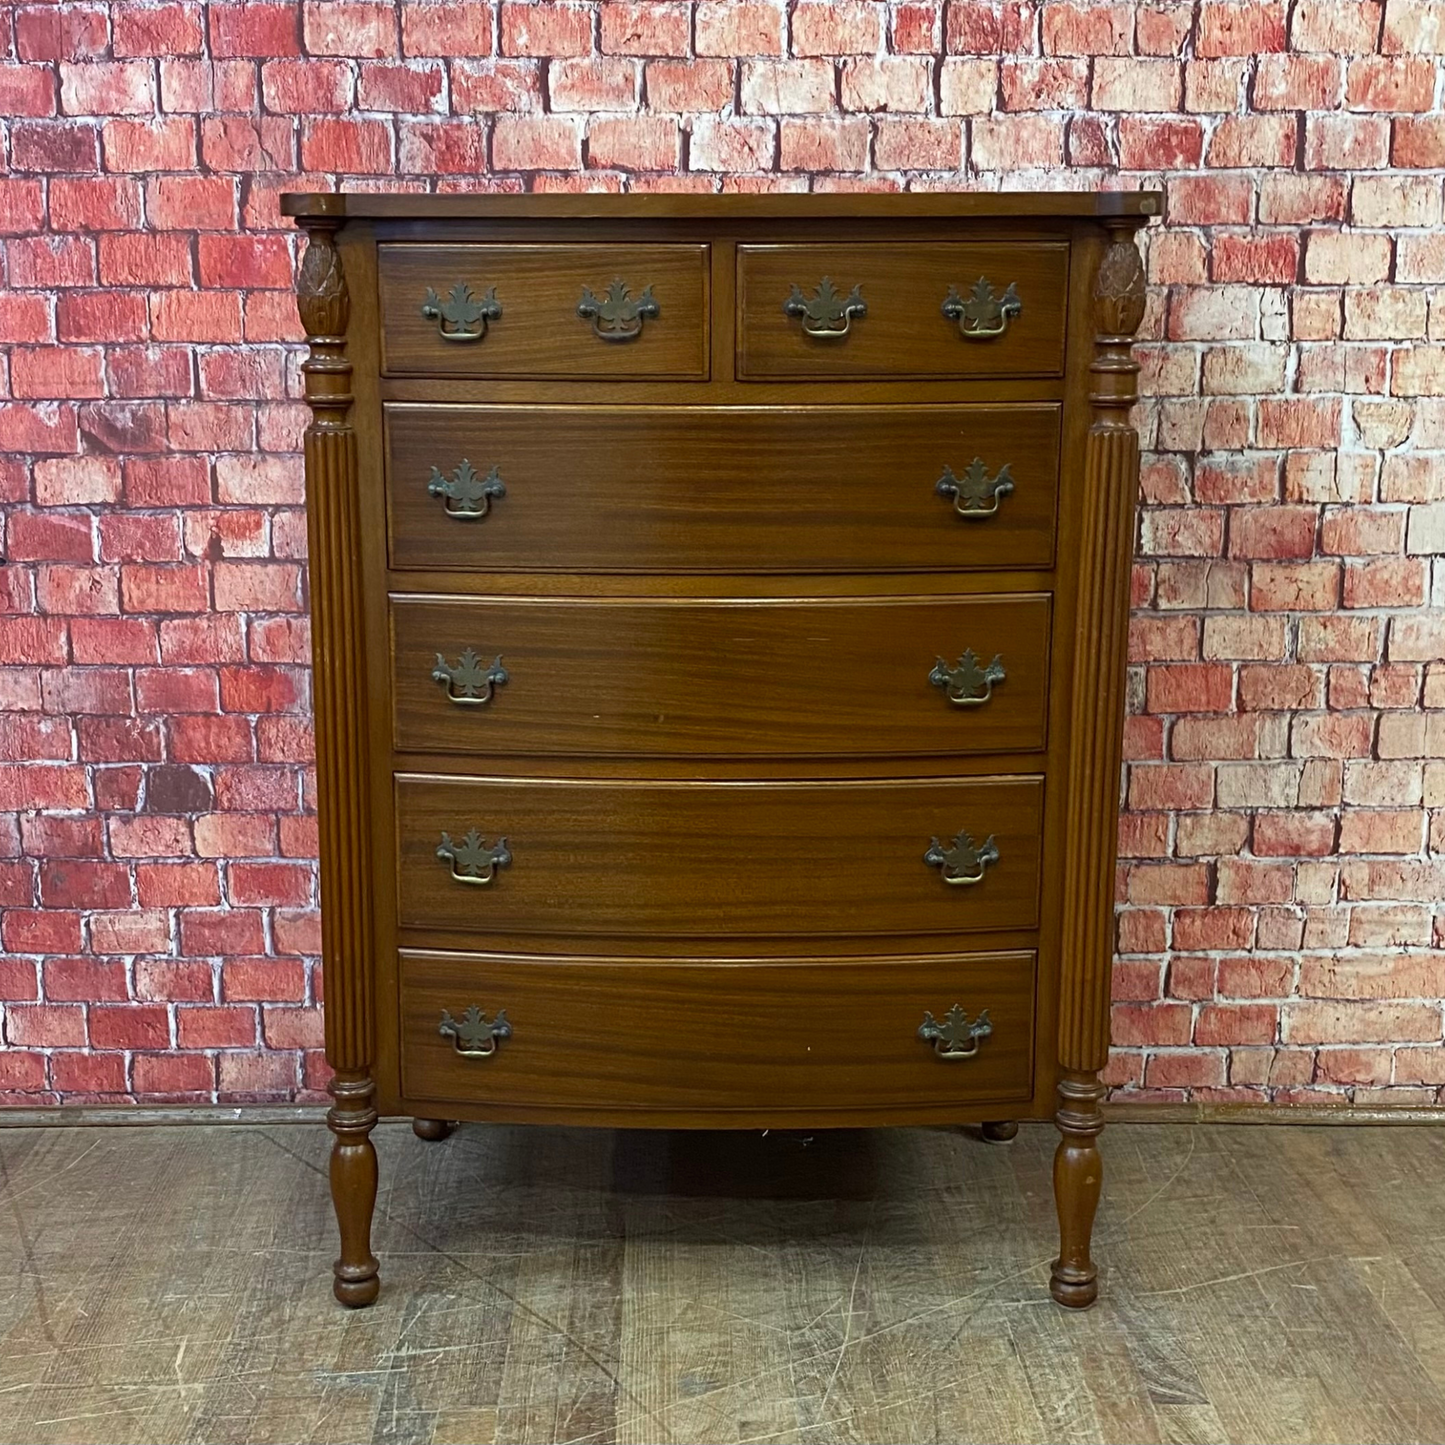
(1078, 1173)
(432, 1130)
(1000, 1131)
(353, 1187)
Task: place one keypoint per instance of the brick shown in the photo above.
(1086, 29)
(836, 27)
(1298, 82)
(1008, 143)
(1418, 143)
(696, 85)
(1346, 142)
(887, 83)
(526, 143)
(1338, 1022)
(1413, 26)
(441, 28)
(261, 29)
(1248, 28)
(823, 145)
(1389, 83)
(1342, 27)
(967, 87)
(1127, 84)
(593, 84)
(641, 27)
(354, 147)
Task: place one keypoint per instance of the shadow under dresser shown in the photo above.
(719, 628)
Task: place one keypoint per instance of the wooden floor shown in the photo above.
(1261, 1284)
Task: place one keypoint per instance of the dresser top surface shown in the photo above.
(842, 206)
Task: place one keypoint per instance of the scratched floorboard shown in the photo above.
(1264, 1284)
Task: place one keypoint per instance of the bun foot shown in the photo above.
(432, 1130)
(1071, 1292)
(1000, 1131)
(355, 1292)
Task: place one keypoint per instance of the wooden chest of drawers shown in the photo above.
(719, 619)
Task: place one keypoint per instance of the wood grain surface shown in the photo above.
(721, 678)
(905, 332)
(539, 332)
(1280, 1285)
(778, 489)
(705, 1038)
(718, 859)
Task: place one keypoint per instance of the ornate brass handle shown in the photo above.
(968, 684)
(472, 861)
(955, 1038)
(462, 316)
(963, 863)
(466, 496)
(822, 313)
(975, 494)
(471, 1035)
(618, 316)
(469, 684)
(985, 314)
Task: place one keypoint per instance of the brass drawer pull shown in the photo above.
(963, 863)
(955, 1038)
(985, 314)
(968, 684)
(466, 496)
(618, 316)
(469, 684)
(462, 316)
(821, 315)
(472, 861)
(471, 1035)
(975, 494)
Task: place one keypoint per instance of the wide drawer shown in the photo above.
(662, 678)
(928, 309)
(833, 1034)
(726, 489)
(716, 859)
(581, 311)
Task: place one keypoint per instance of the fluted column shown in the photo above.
(1111, 482)
(339, 659)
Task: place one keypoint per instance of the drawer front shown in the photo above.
(721, 678)
(740, 489)
(716, 859)
(484, 310)
(677, 1035)
(950, 309)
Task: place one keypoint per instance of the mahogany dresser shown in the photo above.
(719, 625)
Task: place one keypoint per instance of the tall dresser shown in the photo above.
(719, 625)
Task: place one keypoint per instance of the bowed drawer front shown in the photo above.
(627, 1036)
(722, 677)
(720, 612)
(579, 311)
(722, 489)
(718, 859)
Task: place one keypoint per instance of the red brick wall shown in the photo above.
(1278, 936)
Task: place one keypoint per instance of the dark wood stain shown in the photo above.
(800, 1039)
(719, 859)
(664, 489)
(904, 332)
(721, 677)
(718, 577)
(539, 332)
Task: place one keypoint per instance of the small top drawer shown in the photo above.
(572, 311)
(903, 309)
